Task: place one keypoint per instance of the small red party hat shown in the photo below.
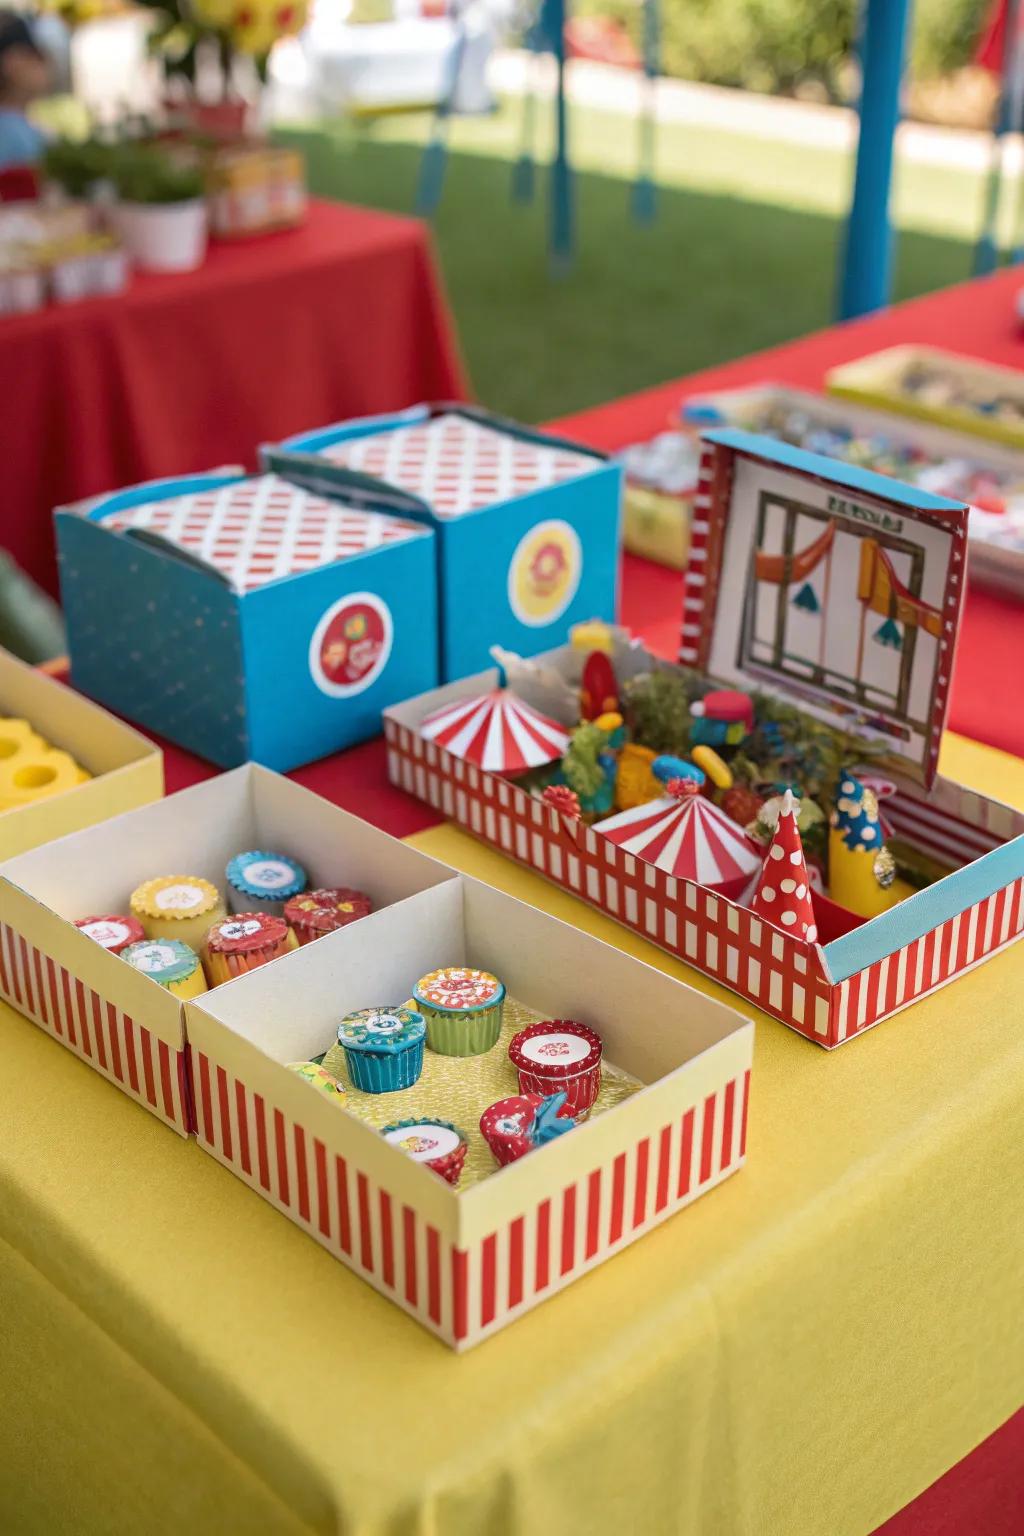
(783, 894)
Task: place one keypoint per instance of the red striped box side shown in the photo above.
(463, 1294)
(123, 1050)
(928, 963)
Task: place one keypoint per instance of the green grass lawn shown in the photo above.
(743, 254)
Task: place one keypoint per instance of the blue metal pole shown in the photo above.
(562, 238)
(866, 278)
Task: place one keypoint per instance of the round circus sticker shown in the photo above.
(351, 645)
(544, 573)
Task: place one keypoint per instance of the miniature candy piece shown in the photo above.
(562, 799)
(383, 1048)
(263, 882)
(742, 804)
(314, 1073)
(239, 944)
(114, 932)
(462, 1008)
(783, 894)
(721, 718)
(861, 870)
(667, 767)
(635, 784)
(708, 760)
(514, 1126)
(592, 635)
(180, 907)
(29, 776)
(599, 690)
(315, 913)
(170, 963)
(559, 1055)
(437, 1143)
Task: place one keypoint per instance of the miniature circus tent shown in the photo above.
(497, 731)
(688, 837)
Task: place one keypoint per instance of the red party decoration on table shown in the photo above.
(783, 895)
(559, 797)
(496, 731)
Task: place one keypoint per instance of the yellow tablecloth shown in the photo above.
(799, 1354)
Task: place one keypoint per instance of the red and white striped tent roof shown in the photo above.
(689, 838)
(497, 731)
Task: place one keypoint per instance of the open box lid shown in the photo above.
(245, 530)
(832, 587)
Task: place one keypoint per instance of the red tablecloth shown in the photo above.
(984, 1493)
(273, 335)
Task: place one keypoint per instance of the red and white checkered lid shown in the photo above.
(258, 530)
(457, 465)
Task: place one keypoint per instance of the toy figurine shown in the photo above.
(861, 869)
(783, 894)
(722, 718)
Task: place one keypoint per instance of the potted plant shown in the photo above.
(161, 213)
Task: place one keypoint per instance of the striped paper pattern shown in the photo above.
(122, 1049)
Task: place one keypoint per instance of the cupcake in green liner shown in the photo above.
(383, 1048)
(462, 1009)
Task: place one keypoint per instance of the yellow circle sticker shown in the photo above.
(544, 573)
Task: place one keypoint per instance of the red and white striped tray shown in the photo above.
(466, 1263)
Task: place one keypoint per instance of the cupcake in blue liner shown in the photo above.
(259, 881)
(383, 1048)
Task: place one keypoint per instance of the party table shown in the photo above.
(342, 317)
(804, 1353)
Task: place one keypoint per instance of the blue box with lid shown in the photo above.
(244, 617)
(527, 523)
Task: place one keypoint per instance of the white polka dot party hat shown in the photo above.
(783, 895)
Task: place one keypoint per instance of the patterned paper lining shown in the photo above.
(259, 530)
(457, 465)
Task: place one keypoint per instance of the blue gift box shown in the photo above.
(528, 523)
(243, 617)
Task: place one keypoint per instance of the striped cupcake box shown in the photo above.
(879, 570)
(464, 1262)
(115, 1018)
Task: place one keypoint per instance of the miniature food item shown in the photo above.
(437, 1143)
(318, 1075)
(170, 963)
(315, 913)
(559, 1055)
(462, 1008)
(383, 1048)
(517, 1125)
(239, 944)
(263, 882)
(114, 932)
(182, 907)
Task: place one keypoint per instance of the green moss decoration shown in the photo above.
(583, 772)
(657, 707)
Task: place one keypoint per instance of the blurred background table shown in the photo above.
(342, 317)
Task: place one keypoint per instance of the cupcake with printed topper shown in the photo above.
(383, 1048)
(317, 1074)
(114, 932)
(242, 943)
(438, 1144)
(783, 894)
(559, 1056)
(182, 907)
(314, 913)
(259, 881)
(462, 1008)
(519, 1124)
(170, 963)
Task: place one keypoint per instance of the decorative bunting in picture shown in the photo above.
(807, 599)
(888, 633)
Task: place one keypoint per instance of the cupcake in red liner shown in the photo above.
(115, 931)
(437, 1143)
(315, 913)
(515, 1126)
(239, 944)
(559, 1055)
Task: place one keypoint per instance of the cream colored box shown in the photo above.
(127, 769)
(466, 1263)
(118, 1020)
